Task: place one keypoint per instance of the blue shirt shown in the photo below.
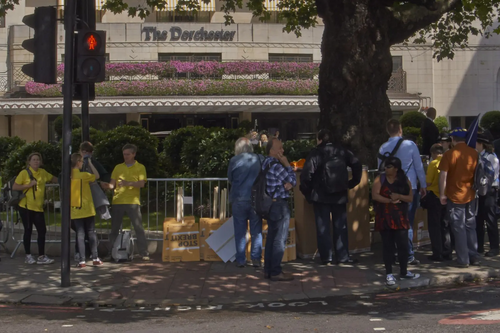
(277, 177)
(410, 160)
(242, 171)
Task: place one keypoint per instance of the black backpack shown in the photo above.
(261, 199)
(11, 197)
(334, 173)
(384, 156)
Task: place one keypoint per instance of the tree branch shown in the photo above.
(416, 15)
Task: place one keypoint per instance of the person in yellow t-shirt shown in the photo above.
(32, 182)
(127, 179)
(439, 229)
(82, 208)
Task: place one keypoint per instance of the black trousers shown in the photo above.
(31, 218)
(487, 212)
(391, 239)
(439, 227)
(340, 241)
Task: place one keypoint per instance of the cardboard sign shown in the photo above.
(166, 248)
(184, 242)
(207, 227)
(222, 241)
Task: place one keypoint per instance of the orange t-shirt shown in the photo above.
(460, 164)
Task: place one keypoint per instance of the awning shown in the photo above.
(186, 104)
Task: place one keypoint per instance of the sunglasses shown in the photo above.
(389, 166)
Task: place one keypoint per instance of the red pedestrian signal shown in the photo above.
(91, 42)
(90, 56)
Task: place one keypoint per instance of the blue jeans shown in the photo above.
(412, 209)
(323, 234)
(243, 212)
(277, 233)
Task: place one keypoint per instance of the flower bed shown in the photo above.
(188, 88)
(210, 68)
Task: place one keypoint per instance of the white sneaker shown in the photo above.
(29, 260)
(390, 280)
(410, 276)
(44, 260)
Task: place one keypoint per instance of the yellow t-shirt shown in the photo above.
(87, 204)
(128, 195)
(433, 176)
(42, 177)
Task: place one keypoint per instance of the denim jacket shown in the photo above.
(242, 171)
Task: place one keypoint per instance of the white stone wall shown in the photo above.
(467, 85)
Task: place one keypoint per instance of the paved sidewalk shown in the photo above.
(203, 283)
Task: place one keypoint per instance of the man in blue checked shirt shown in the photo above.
(280, 180)
(414, 169)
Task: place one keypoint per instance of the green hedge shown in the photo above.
(51, 156)
(188, 152)
(412, 119)
(491, 121)
(109, 149)
(442, 124)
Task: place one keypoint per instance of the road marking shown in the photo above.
(379, 329)
(368, 304)
(375, 319)
(67, 325)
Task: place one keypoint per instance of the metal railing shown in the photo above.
(201, 197)
(397, 82)
(4, 82)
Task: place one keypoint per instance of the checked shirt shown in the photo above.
(277, 177)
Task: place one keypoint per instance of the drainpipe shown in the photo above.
(9, 125)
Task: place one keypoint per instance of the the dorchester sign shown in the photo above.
(176, 34)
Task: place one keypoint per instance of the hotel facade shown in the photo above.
(459, 89)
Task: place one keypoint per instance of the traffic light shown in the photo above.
(43, 69)
(90, 56)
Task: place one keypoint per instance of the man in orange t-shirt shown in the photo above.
(456, 190)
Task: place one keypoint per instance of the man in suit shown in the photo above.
(430, 132)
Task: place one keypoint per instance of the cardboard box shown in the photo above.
(166, 248)
(291, 248)
(420, 229)
(358, 220)
(207, 227)
(189, 219)
(184, 242)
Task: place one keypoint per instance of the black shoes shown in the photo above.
(435, 258)
(491, 253)
(349, 262)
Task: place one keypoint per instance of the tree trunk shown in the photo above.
(354, 74)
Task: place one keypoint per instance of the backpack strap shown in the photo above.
(30, 174)
(393, 152)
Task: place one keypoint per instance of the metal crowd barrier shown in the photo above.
(158, 200)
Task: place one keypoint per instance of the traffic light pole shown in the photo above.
(69, 26)
(85, 112)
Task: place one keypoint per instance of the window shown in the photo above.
(463, 122)
(173, 16)
(2, 21)
(169, 14)
(397, 63)
(284, 57)
(99, 13)
(188, 57)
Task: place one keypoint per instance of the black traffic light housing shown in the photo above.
(43, 45)
(90, 63)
